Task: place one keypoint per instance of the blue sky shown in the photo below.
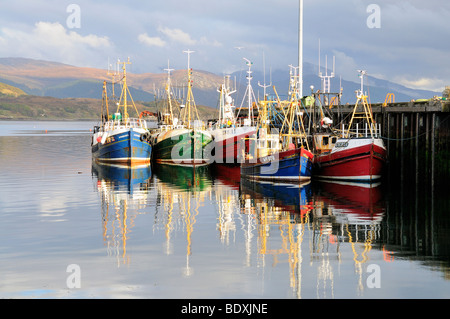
(410, 44)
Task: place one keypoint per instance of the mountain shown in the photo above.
(14, 104)
(9, 90)
(376, 88)
(45, 78)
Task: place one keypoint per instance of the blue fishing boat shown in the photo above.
(283, 154)
(291, 166)
(120, 138)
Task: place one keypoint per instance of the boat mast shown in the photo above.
(300, 50)
(190, 97)
(264, 86)
(221, 91)
(249, 92)
(125, 92)
(105, 111)
(125, 105)
(168, 93)
(293, 129)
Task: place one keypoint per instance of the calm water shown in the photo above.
(163, 232)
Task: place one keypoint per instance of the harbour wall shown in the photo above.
(417, 137)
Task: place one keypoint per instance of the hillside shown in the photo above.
(72, 84)
(9, 90)
(43, 78)
(17, 105)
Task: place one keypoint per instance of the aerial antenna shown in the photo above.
(293, 81)
(249, 92)
(168, 68)
(189, 56)
(326, 86)
(361, 75)
(264, 86)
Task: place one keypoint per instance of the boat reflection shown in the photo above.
(226, 194)
(349, 216)
(314, 228)
(184, 178)
(181, 191)
(122, 189)
(282, 214)
(337, 221)
(358, 203)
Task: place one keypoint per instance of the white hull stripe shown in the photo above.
(282, 178)
(122, 159)
(361, 177)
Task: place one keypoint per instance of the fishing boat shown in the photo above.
(167, 119)
(354, 154)
(184, 142)
(121, 139)
(228, 131)
(281, 155)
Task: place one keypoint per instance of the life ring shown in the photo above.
(144, 136)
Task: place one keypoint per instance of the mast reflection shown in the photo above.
(121, 188)
(181, 191)
(326, 224)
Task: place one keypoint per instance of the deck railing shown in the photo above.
(374, 130)
(124, 124)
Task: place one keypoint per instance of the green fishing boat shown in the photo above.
(184, 142)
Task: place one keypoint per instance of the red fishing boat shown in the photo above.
(230, 129)
(355, 154)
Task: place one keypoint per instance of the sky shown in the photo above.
(403, 41)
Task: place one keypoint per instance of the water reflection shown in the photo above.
(348, 215)
(282, 213)
(147, 228)
(121, 189)
(181, 192)
(315, 230)
(330, 219)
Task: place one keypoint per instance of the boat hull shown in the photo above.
(292, 166)
(227, 143)
(182, 147)
(358, 160)
(123, 147)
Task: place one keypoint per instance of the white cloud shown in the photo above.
(151, 41)
(410, 43)
(177, 35)
(423, 83)
(51, 41)
(214, 43)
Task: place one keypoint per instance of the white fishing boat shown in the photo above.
(230, 129)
